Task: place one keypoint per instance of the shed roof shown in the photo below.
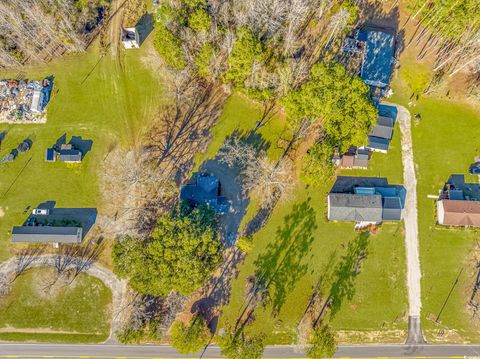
(385, 121)
(382, 132)
(47, 234)
(70, 155)
(378, 143)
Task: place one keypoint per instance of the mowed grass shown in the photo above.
(101, 98)
(77, 312)
(301, 246)
(445, 142)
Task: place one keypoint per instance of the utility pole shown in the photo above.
(448, 296)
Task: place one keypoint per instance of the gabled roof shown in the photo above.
(461, 213)
(355, 207)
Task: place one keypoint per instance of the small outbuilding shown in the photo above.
(133, 37)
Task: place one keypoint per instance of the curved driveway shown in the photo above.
(117, 286)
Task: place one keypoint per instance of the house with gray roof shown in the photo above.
(46, 234)
(381, 135)
(365, 199)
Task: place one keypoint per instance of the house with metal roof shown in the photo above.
(378, 56)
(355, 158)
(46, 234)
(381, 134)
(71, 155)
(365, 199)
(459, 203)
(204, 188)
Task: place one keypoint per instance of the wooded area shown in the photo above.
(37, 30)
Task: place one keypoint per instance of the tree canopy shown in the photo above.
(179, 255)
(235, 345)
(322, 343)
(341, 100)
(246, 51)
(169, 47)
(189, 338)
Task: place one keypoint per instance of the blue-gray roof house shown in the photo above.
(378, 144)
(204, 188)
(378, 57)
(365, 199)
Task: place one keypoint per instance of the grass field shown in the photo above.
(79, 312)
(99, 98)
(298, 242)
(444, 143)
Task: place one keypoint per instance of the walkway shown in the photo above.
(414, 274)
(117, 286)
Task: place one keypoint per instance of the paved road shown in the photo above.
(146, 352)
(410, 217)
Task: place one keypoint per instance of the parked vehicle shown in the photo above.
(41, 211)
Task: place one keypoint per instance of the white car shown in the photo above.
(41, 211)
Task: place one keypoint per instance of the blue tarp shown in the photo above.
(378, 58)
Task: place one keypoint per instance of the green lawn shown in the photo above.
(106, 100)
(75, 313)
(298, 242)
(444, 143)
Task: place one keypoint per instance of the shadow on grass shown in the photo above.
(342, 279)
(280, 266)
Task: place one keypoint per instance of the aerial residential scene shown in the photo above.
(239, 179)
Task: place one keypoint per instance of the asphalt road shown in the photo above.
(64, 351)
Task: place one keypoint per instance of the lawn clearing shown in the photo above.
(299, 243)
(75, 313)
(100, 98)
(445, 142)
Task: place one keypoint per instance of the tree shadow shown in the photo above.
(342, 278)
(282, 263)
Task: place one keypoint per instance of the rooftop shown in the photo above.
(47, 234)
(378, 57)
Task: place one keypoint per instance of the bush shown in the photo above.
(191, 338)
(169, 47)
(202, 60)
(245, 244)
(199, 20)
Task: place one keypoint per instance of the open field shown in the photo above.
(75, 313)
(298, 242)
(100, 98)
(445, 142)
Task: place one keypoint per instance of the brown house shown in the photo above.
(459, 213)
(459, 203)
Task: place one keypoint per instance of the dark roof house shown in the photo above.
(204, 188)
(365, 199)
(378, 57)
(47, 234)
(378, 144)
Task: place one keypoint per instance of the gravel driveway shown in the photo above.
(411, 228)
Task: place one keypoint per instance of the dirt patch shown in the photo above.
(371, 336)
(2, 212)
(46, 284)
